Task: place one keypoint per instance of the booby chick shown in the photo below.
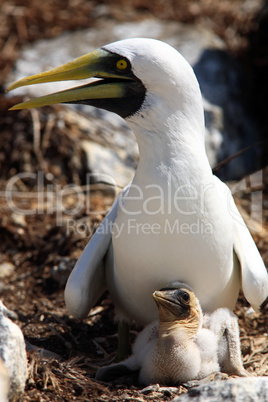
(180, 347)
(175, 220)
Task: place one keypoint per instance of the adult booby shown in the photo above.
(179, 347)
(175, 220)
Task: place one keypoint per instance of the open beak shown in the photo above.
(113, 83)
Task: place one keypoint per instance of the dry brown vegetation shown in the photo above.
(39, 248)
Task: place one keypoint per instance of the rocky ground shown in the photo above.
(39, 246)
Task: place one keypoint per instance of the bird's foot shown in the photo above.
(117, 373)
(110, 373)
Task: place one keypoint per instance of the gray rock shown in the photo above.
(106, 164)
(13, 354)
(229, 126)
(42, 55)
(250, 389)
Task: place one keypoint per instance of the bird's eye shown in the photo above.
(185, 296)
(121, 64)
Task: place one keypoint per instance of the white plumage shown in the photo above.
(180, 347)
(176, 220)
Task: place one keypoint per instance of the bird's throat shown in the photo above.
(186, 328)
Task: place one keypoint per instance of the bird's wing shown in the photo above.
(253, 272)
(223, 323)
(86, 282)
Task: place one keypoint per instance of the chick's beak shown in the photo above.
(163, 297)
(95, 64)
(169, 307)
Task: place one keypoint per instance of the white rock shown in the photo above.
(249, 389)
(107, 165)
(6, 269)
(4, 382)
(13, 354)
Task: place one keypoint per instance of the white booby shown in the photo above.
(179, 347)
(175, 220)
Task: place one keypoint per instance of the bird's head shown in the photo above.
(133, 75)
(178, 307)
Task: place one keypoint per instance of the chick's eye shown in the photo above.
(185, 296)
(121, 64)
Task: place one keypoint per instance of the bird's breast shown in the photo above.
(157, 240)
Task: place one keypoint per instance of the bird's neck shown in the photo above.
(179, 329)
(173, 142)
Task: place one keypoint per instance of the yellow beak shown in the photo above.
(99, 64)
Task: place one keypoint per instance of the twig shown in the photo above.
(230, 158)
(37, 136)
(49, 126)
